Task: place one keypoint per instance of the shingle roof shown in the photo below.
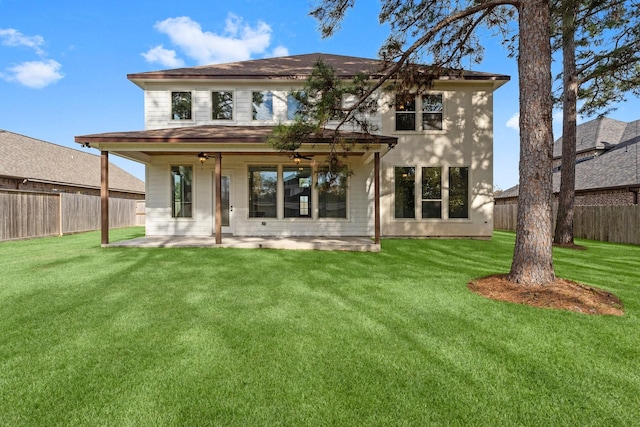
(218, 134)
(34, 159)
(617, 166)
(594, 134)
(292, 67)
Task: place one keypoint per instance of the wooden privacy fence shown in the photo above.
(616, 224)
(31, 214)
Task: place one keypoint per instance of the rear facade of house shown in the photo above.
(428, 172)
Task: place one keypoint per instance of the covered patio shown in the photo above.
(200, 143)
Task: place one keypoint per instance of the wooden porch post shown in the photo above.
(218, 185)
(376, 187)
(104, 196)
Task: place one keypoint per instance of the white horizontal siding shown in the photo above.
(158, 105)
(160, 222)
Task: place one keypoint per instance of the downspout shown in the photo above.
(376, 186)
(104, 196)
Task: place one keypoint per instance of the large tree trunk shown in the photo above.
(533, 255)
(566, 198)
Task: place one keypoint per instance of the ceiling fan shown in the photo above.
(297, 157)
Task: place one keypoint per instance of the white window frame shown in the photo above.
(171, 192)
(273, 112)
(233, 106)
(424, 112)
(192, 112)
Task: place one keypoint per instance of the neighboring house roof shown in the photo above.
(297, 67)
(36, 160)
(615, 162)
(596, 134)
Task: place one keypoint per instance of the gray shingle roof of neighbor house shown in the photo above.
(37, 160)
(596, 134)
(296, 67)
(617, 163)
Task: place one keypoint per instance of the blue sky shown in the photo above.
(63, 65)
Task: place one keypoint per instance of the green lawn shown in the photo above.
(226, 337)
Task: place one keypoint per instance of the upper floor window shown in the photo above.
(181, 105)
(221, 105)
(431, 108)
(181, 191)
(405, 112)
(262, 105)
(293, 106)
(432, 111)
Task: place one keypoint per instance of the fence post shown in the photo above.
(60, 221)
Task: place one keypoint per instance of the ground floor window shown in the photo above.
(459, 192)
(263, 185)
(405, 204)
(292, 192)
(181, 194)
(332, 195)
(432, 192)
(297, 192)
(442, 191)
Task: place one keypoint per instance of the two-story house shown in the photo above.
(209, 171)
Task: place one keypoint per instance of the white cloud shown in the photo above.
(514, 122)
(280, 51)
(238, 42)
(13, 37)
(163, 56)
(35, 74)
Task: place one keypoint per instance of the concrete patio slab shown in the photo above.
(321, 243)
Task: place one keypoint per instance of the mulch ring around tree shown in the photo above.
(561, 294)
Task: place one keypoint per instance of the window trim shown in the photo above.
(289, 95)
(233, 106)
(468, 193)
(423, 200)
(424, 112)
(419, 113)
(172, 194)
(317, 192)
(191, 112)
(313, 200)
(405, 112)
(311, 205)
(395, 194)
(273, 112)
(250, 191)
(445, 194)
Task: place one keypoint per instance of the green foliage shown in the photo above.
(321, 101)
(237, 337)
(290, 137)
(607, 41)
